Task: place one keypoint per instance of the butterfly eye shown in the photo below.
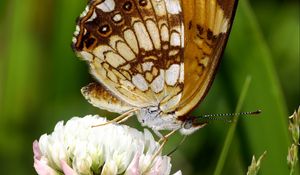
(143, 3)
(188, 124)
(104, 30)
(127, 6)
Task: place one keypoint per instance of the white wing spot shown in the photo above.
(74, 40)
(117, 17)
(159, 7)
(143, 36)
(77, 30)
(86, 56)
(173, 6)
(173, 52)
(94, 16)
(140, 82)
(175, 39)
(158, 84)
(225, 25)
(125, 51)
(164, 33)
(147, 66)
(154, 33)
(107, 6)
(83, 14)
(131, 40)
(114, 59)
(172, 74)
(100, 50)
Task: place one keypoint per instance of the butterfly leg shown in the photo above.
(165, 138)
(125, 118)
(162, 142)
(119, 119)
(157, 133)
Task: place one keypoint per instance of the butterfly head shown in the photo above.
(156, 119)
(190, 125)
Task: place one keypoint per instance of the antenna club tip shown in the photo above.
(257, 112)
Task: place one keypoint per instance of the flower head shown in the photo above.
(294, 127)
(79, 148)
(255, 164)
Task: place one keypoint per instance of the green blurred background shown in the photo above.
(40, 81)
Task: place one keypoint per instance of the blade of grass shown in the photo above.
(64, 78)
(20, 59)
(20, 68)
(232, 128)
(247, 54)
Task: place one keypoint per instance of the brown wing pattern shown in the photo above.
(101, 98)
(134, 49)
(207, 24)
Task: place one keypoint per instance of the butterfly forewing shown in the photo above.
(207, 26)
(134, 49)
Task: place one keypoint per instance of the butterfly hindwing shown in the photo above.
(134, 49)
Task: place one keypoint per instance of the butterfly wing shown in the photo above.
(207, 24)
(134, 49)
(101, 98)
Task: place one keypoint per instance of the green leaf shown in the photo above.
(248, 54)
(232, 129)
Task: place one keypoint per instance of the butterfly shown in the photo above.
(153, 58)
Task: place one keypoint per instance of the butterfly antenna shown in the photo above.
(177, 147)
(226, 115)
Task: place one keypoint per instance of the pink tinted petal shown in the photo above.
(37, 154)
(155, 170)
(42, 168)
(133, 168)
(66, 168)
(161, 166)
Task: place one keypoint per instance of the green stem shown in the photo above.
(232, 128)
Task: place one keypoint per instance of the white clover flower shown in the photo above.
(77, 148)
